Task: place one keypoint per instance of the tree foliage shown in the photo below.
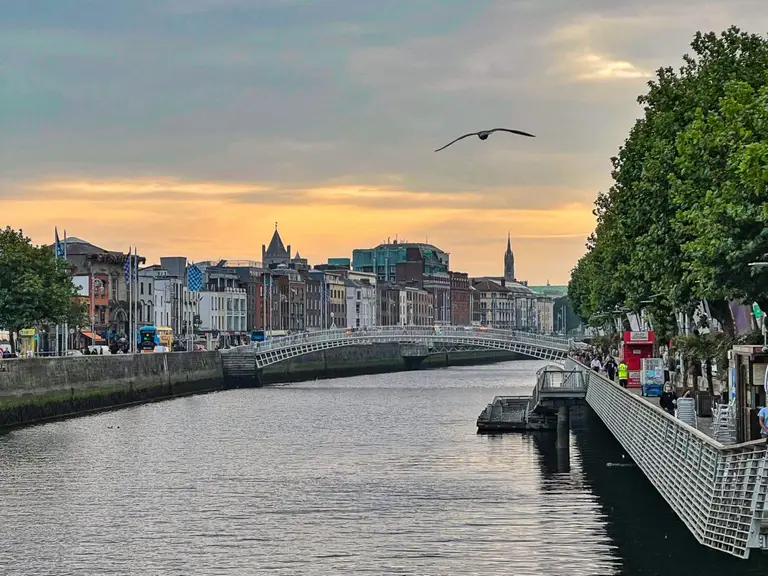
(36, 289)
(687, 209)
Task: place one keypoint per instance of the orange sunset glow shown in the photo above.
(205, 220)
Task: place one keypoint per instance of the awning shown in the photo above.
(91, 336)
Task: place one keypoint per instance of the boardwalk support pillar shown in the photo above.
(563, 439)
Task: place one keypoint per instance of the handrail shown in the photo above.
(718, 491)
(420, 332)
(695, 431)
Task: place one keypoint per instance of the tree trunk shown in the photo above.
(710, 385)
(684, 363)
(696, 373)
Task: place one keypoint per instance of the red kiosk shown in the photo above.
(635, 347)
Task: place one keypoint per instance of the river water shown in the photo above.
(370, 475)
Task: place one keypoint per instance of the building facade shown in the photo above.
(314, 280)
(461, 306)
(107, 287)
(223, 303)
(223, 311)
(545, 310)
(388, 304)
(505, 305)
(336, 294)
(360, 304)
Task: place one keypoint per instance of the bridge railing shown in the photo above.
(396, 333)
(555, 380)
(718, 491)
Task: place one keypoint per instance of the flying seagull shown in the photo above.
(483, 135)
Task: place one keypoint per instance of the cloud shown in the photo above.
(210, 119)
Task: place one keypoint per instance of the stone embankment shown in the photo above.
(39, 389)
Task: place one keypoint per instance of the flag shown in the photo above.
(59, 246)
(326, 293)
(194, 278)
(127, 272)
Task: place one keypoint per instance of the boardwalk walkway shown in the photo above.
(720, 492)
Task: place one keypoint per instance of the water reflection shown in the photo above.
(380, 475)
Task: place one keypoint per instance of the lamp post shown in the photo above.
(758, 266)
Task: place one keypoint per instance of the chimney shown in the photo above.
(503, 282)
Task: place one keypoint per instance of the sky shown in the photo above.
(190, 127)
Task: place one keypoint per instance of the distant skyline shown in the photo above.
(188, 127)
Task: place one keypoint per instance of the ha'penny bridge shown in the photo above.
(719, 491)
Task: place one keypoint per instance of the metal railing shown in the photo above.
(718, 491)
(555, 381)
(412, 334)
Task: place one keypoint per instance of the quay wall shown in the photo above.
(370, 359)
(38, 389)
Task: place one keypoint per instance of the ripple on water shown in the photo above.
(371, 475)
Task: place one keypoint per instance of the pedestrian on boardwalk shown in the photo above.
(668, 400)
(595, 365)
(610, 368)
(762, 416)
(623, 374)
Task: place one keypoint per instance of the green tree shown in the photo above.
(686, 207)
(36, 289)
(723, 162)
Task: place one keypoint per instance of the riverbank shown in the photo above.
(39, 389)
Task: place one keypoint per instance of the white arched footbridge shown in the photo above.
(417, 341)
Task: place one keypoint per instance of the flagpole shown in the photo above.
(135, 274)
(130, 301)
(133, 302)
(66, 323)
(56, 246)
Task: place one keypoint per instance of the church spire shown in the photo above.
(509, 261)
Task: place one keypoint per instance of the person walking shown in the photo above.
(623, 374)
(762, 416)
(595, 365)
(668, 400)
(610, 368)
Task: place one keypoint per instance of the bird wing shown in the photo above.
(457, 139)
(519, 132)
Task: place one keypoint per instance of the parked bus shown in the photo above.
(165, 335)
(257, 336)
(148, 339)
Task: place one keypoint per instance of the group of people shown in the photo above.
(604, 362)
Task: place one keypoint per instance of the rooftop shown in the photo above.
(490, 285)
(276, 248)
